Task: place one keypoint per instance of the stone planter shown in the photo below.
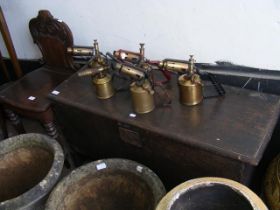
(272, 184)
(109, 184)
(30, 166)
(212, 194)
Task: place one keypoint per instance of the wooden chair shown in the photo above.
(28, 95)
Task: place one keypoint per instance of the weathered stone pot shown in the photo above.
(30, 165)
(272, 184)
(109, 184)
(212, 194)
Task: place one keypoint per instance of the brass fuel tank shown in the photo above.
(101, 80)
(190, 89)
(142, 97)
(103, 86)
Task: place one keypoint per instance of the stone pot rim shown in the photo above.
(169, 199)
(147, 174)
(41, 189)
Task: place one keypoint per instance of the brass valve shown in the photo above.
(98, 59)
(142, 52)
(148, 87)
(96, 48)
(195, 78)
(191, 64)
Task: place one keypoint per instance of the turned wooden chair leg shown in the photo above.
(4, 124)
(15, 120)
(51, 130)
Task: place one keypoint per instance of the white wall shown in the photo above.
(245, 32)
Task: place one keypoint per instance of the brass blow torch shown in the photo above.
(98, 70)
(190, 84)
(141, 89)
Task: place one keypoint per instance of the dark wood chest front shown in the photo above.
(224, 137)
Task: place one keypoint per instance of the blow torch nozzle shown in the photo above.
(80, 51)
(91, 71)
(132, 71)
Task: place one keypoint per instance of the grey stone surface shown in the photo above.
(35, 197)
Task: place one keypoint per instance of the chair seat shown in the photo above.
(36, 84)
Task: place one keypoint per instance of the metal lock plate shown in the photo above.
(130, 135)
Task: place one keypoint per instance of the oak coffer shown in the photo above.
(223, 136)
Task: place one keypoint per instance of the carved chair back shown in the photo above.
(52, 37)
